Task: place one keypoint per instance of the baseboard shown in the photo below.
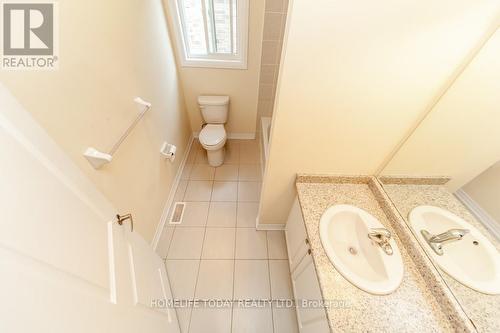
(170, 198)
(489, 222)
(269, 226)
(234, 136)
(241, 136)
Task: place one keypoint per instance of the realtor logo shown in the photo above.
(29, 37)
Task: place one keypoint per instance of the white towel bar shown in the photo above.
(97, 158)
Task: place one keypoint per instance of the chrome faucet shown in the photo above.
(436, 241)
(381, 237)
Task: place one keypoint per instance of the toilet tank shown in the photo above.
(214, 109)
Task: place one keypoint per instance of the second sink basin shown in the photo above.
(471, 259)
(344, 233)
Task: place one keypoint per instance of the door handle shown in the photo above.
(121, 218)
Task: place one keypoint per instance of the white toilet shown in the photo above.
(213, 136)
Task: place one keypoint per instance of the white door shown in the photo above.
(65, 264)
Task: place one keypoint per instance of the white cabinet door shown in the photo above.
(296, 237)
(311, 315)
(306, 289)
(65, 265)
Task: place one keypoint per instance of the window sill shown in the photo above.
(237, 64)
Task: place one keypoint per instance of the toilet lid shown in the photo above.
(212, 135)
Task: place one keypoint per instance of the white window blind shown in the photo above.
(212, 33)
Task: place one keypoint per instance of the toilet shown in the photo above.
(213, 136)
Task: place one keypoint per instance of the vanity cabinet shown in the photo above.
(311, 315)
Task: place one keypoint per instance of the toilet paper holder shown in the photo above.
(168, 151)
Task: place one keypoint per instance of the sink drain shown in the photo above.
(353, 251)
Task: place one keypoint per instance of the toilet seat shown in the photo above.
(213, 136)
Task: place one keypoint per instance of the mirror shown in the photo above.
(444, 180)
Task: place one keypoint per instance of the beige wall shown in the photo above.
(459, 138)
(241, 85)
(353, 84)
(485, 190)
(110, 52)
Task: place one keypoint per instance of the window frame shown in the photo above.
(230, 61)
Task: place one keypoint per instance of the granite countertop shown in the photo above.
(482, 309)
(411, 308)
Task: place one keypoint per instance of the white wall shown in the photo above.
(354, 79)
(241, 85)
(110, 52)
(459, 138)
(485, 190)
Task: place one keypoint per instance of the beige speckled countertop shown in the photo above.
(411, 308)
(482, 309)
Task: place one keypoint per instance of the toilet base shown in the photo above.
(216, 157)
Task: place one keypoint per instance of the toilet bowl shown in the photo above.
(213, 138)
(214, 110)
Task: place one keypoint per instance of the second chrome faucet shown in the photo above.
(436, 241)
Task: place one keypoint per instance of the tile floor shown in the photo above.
(216, 253)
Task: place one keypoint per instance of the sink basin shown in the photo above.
(344, 233)
(471, 260)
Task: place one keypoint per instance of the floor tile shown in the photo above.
(232, 152)
(281, 284)
(249, 191)
(250, 244)
(276, 245)
(222, 214)
(164, 241)
(181, 190)
(210, 320)
(258, 320)
(285, 320)
(198, 190)
(193, 152)
(184, 316)
(251, 280)
(219, 243)
(227, 172)
(195, 214)
(247, 214)
(225, 191)
(249, 152)
(186, 243)
(250, 172)
(202, 172)
(249, 144)
(250, 158)
(182, 275)
(186, 171)
(201, 156)
(276, 6)
(215, 279)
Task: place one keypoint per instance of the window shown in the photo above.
(211, 33)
